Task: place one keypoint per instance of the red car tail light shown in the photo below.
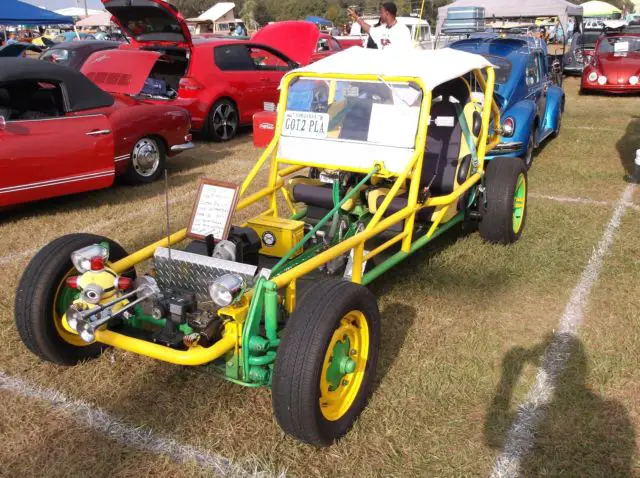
(189, 86)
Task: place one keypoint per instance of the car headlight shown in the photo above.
(602, 80)
(508, 127)
(90, 258)
(633, 80)
(593, 76)
(224, 290)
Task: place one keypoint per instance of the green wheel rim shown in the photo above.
(519, 203)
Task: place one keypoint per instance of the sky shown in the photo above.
(58, 4)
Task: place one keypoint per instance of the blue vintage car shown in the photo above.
(531, 104)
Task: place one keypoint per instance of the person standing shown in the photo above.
(390, 33)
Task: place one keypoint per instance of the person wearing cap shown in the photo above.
(390, 33)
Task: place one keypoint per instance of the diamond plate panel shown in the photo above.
(195, 272)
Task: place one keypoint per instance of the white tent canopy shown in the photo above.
(517, 9)
(596, 8)
(216, 12)
(433, 67)
(100, 20)
(77, 12)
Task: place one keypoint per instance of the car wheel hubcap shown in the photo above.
(344, 366)
(225, 121)
(519, 203)
(146, 157)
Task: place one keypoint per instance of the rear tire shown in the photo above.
(505, 213)
(531, 149)
(223, 121)
(38, 299)
(148, 160)
(332, 318)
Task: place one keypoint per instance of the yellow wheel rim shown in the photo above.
(344, 365)
(519, 203)
(58, 300)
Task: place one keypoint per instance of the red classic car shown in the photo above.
(221, 82)
(327, 45)
(61, 134)
(615, 66)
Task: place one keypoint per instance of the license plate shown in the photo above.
(305, 125)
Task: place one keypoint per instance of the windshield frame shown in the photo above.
(610, 41)
(352, 93)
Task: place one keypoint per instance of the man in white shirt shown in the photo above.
(390, 33)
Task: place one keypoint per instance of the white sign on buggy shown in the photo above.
(305, 124)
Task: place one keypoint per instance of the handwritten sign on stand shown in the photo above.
(213, 210)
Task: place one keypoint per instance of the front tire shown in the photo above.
(148, 159)
(326, 362)
(223, 121)
(505, 213)
(43, 296)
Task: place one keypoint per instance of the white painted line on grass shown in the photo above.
(574, 200)
(141, 438)
(594, 128)
(521, 436)
(583, 201)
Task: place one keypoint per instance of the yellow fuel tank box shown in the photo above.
(278, 235)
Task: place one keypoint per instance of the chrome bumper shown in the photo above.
(182, 147)
(507, 148)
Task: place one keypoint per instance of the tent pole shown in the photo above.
(75, 29)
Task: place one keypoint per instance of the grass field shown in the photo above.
(464, 327)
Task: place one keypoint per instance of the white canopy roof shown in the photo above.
(77, 12)
(517, 9)
(216, 12)
(434, 67)
(597, 8)
(99, 20)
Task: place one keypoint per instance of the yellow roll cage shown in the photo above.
(281, 168)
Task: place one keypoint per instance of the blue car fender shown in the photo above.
(554, 108)
(524, 113)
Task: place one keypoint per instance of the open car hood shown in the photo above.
(297, 40)
(150, 21)
(120, 71)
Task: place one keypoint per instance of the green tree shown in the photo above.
(261, 13)
(191, 8)
(248, 13)
(404, 7)
(334, 13)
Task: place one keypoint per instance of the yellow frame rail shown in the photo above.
(280, 168)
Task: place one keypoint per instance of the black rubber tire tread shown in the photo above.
(532, 139)
(501, 180)
(209, 132)
(296, 375)
(35, 295)
(131, 177)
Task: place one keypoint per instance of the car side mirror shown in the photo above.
(3, 123)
